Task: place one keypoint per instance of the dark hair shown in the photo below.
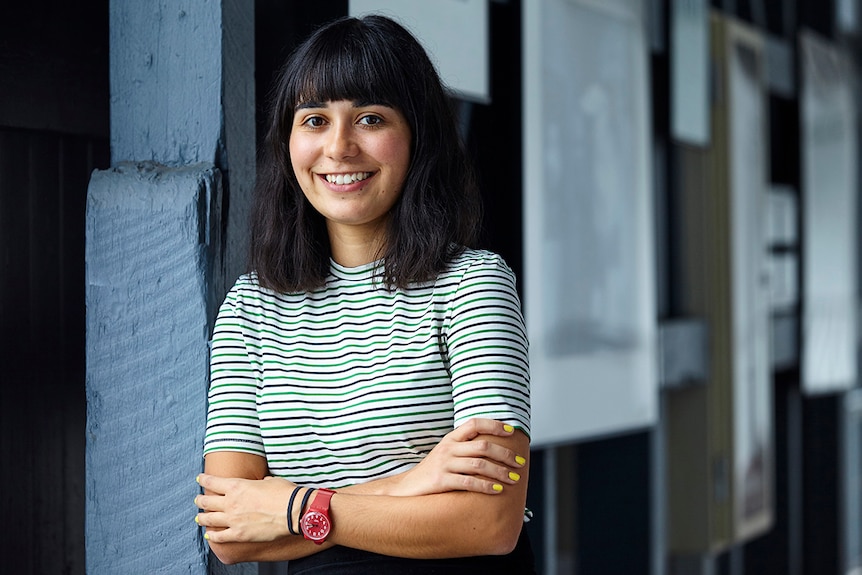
(372, 59)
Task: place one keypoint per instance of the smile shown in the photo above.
(341, 179)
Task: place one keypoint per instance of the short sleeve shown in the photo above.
(487, 346)
(232, 419)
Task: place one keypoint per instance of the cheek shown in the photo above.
(397, 155)
(298, 155)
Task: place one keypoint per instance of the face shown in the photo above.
(351, 161)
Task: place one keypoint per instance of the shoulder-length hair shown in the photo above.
(372, 59)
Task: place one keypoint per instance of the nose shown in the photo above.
(341, 142)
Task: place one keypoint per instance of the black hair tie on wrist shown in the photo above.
(302, 505)
(290, 510)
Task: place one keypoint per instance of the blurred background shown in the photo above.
(675, 183)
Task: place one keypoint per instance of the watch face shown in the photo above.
(316, 526)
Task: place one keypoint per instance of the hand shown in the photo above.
(461, 462)
(243, 510)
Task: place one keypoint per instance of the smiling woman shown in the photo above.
(369, 399)
(374, 63)
(350, 161)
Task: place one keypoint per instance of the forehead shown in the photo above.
(332, 74)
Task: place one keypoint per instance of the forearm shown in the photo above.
(287, 547)
(456, 524)
(281, 549)
(451, 524)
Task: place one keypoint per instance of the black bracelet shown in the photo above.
(302, 506)
(290, 510)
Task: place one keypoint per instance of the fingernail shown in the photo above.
(207, 536)
(196, 500)
(520, 460)
(198, 479)
(514, 476)
(508, 428)
(498, 488)
(197, 520)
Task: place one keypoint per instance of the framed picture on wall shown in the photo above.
(750, 366)
(829, 217)
(719, 435)
(588, 219)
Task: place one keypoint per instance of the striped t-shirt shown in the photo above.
(353, 382)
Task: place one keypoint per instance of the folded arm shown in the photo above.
(451, 524)
(452, 504)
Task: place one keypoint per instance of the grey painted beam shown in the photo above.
(165, 235)
(152, 236)
(166, 81)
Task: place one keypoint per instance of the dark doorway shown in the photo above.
(54, 118)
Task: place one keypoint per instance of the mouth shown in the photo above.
(342, 179)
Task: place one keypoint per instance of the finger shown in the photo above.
(489, 450)
(483, 468)
(210, 502)
(219, 535)
(212, 519)
(480, 426)
(214, 483)
(477, 485)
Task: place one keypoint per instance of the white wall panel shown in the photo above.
(454, 32)
(589, 255)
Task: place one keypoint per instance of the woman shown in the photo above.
(369, 401)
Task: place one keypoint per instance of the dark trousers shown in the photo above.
(346, 561)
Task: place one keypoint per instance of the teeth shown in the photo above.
(347, 178)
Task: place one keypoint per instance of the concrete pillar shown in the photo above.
(165, 236)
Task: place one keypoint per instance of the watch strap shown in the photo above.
(321, 500)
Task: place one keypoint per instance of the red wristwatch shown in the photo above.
(316, 523)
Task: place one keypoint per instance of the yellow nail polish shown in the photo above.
(498, 488)
(520, 460)
(508, 428)
(196, 501)
(514, 476)
(207, 536)
(198, 479)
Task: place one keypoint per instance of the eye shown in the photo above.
(313, 122)
(371, 120)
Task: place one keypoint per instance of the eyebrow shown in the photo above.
(310, 104)
(356, 104)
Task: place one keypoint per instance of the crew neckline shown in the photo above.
(346, 272)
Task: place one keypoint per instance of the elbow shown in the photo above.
(506, 542)
(227, 554)
(506, 535)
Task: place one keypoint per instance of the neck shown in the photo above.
(353, 247)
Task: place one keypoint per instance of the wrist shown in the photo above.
(316, 522)
(296, 507)
(384, 486)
